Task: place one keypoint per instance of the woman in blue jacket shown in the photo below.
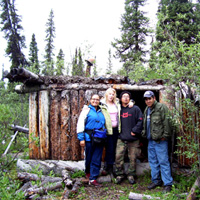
(91, 118)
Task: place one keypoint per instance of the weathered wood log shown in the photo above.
(82, 102)
(55, 126)
(67, 179)
(11, 141)
(66, 194)
(19, 128)
(34, 152)
(74, 118)
(65, 145)
(25, 187)
(44, 124)
(27, 74)
(192, 194)
(76, 185)
(136, 196)
(24, 176)
(43, 190)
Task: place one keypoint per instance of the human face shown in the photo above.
(150, 101)
(94, 101)
(125, 99)
(110, 96)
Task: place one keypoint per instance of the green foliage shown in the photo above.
(60, 66)
(12, 28)
(77, 64)
(109, 64)
(8, 188)
(50, 35)
(130, 47)
(33, 56)
(78, 174)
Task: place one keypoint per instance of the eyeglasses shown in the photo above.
(95, 99)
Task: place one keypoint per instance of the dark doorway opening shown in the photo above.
(137, 96)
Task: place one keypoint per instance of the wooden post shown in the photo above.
(33, 126)
(55, 126)
(65, 126)
(74, 118)
(44, 124)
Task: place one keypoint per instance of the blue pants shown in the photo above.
(159, 162)
(93, 159)
(111, 147)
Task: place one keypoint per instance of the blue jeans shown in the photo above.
(93, 159)
(111, 147)
(159, 162)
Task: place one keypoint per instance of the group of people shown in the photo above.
(124, 124)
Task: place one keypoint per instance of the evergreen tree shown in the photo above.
(130, 48)
(77, 64)
(33, 56)
(95, 68)
(179, 19)
(50, 35)
(12, 28)
(60, 63)
(109, 67)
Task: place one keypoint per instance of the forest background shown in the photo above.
(173, 55)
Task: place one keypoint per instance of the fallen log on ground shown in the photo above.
(192, 193)
(24, 176)
(43, 190)
(136, 196)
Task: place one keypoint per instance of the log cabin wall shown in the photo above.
(55, 103)
(53, 115)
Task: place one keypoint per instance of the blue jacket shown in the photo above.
(89, 119)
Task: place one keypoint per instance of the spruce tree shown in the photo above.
(49, 49)
(33, 55)
(134, 29)
(60, 63)
(77, 64)
(12, 28)
(178, 19)
(109, 65)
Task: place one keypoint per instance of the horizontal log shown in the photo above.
(19, 128)
(80, 86)
(140, 196)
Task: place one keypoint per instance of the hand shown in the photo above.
(133, 134)
(130, 104)
(82, 143)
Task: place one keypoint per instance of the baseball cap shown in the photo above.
(148, 94)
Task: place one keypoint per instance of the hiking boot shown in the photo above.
(154, 185)
(119, 179)
(131, 179)
(167, 188)
(94, 183)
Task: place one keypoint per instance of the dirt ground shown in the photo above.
(112, 191)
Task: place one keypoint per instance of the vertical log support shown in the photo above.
(44, 124)
(81, 104)
(65, 126)
(55, 129)
(33, 127)
(76, 150)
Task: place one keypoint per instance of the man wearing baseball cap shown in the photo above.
(157, 129)
(131, 127)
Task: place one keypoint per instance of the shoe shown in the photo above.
(119, 179)
(167, 188)
(131, 179)
(104, 172)
(153, 185)
(94, 183)
(87, 175)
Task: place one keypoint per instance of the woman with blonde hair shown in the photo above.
(111, 110)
